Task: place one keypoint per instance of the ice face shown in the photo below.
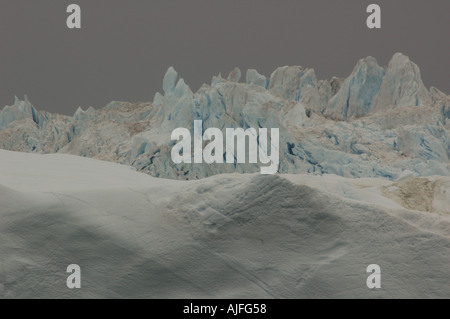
(253, 77)
(402, 85)
(367, 125)
(355, 98)
(170, 79)
(18, 111)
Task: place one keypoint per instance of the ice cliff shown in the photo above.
(378, 122)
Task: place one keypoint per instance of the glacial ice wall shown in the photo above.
(378, 122)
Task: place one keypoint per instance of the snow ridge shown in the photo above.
(226, 236)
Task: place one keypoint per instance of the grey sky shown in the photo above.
(125, 46)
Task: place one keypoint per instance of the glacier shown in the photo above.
(378, 122)
(364, 178)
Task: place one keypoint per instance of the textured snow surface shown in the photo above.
(378, 122)
(229, 235)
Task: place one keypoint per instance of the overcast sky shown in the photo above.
(125, 46)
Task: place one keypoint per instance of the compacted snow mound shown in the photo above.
(226, 236)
